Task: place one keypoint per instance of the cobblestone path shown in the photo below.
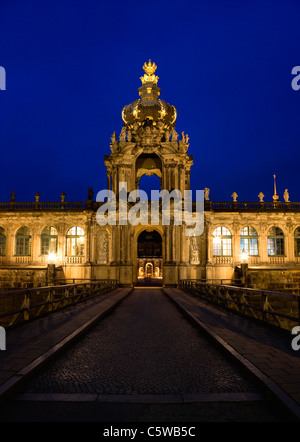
(144, 347)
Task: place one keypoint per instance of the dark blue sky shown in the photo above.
(226, 66)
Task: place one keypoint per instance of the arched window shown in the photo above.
(2, 242)
(249, 241)
(297, 241)
(148, 168)
(48, 241)
(75, 241)
(222, 242)
(23, 242)
(275, 242)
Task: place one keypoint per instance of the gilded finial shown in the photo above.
(149, 76)
(149, 68)
(275, 196)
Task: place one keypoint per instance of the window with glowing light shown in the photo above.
(222, 242)
(2, 242)
(275, 242)
(75, 241)
(297, 241)
(23, 242)
(49, 241)
(249, 241)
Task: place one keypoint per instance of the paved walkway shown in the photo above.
(263, 350)
(146, 349)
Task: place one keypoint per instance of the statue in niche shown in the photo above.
(194, 251)
(102, 248)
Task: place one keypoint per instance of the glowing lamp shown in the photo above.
(244, 256)
(52, 257)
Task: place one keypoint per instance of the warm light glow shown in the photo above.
(52, 257)
(81, 240)
(217, 240)
(244, 256)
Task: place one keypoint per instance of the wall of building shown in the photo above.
(223, 267)
(111, 251)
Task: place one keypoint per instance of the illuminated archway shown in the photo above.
(149, 257)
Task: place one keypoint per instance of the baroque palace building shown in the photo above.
(41, 242)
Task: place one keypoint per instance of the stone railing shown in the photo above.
(19, 306)
(22, 260)
(222, 260)
(281, 309)
(217, 206)
(253, 260)
(45, 206)
(74, 259)
(251, 206)
(277, 260)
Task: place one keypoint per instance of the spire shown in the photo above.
(275, 196)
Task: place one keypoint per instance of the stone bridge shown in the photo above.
(149, 354)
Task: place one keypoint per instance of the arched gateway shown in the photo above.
(149, 257)
(148, 145)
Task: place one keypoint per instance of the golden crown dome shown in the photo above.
(149, 106)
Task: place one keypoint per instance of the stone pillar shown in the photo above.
(236, 247)
(210, 247)
(35, 245)
(61, 246)
(50, 274)
(288, 246)
(87, 242)
(108, 181)
(263, 247)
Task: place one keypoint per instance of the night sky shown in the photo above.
(226, 66)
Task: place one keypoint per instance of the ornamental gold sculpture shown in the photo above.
(149, 76)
